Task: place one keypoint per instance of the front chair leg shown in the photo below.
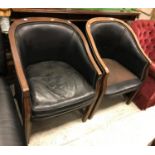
(87, 112)
(96, 105)
(27, 118)
(27, 128)
(94, 109)
(89, 109)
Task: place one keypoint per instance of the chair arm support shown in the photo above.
(95, 51)
(21, 77)
(18, 65)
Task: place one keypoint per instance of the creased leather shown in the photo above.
(59, 72)
(45, 41)
(55, 85)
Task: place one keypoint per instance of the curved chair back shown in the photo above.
(54, 68)
(114, 39)
(43, 39)
(119, 55)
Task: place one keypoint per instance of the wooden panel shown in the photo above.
(73, 14)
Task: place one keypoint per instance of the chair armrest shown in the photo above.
(18, 65)
(94, 50)
(25, 92)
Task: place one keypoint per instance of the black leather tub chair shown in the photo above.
(118, 54)
(55, 69)
(11, 131)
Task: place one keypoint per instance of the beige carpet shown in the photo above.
(114, 123)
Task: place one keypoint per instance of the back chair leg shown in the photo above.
(131, 97)
(89, 108)
(95, 107)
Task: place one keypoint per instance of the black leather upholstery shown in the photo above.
(11, 132)
(43, 41)
(55, 85)
(2, 57)
(123, 87)
(59, 73)
(115, 41)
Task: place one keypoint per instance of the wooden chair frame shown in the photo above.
(21, 76)
(103, 65)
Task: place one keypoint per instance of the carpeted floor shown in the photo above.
(114, 123)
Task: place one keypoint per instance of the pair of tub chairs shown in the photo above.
(59, 70)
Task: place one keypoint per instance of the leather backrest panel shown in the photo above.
(42, 42)
(45, 41)
(114, 41)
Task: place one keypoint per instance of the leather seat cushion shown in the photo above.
(11, 132)
(55, 85)
(120, 79)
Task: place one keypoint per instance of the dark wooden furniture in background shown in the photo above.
(73, 14)
(77, 16)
